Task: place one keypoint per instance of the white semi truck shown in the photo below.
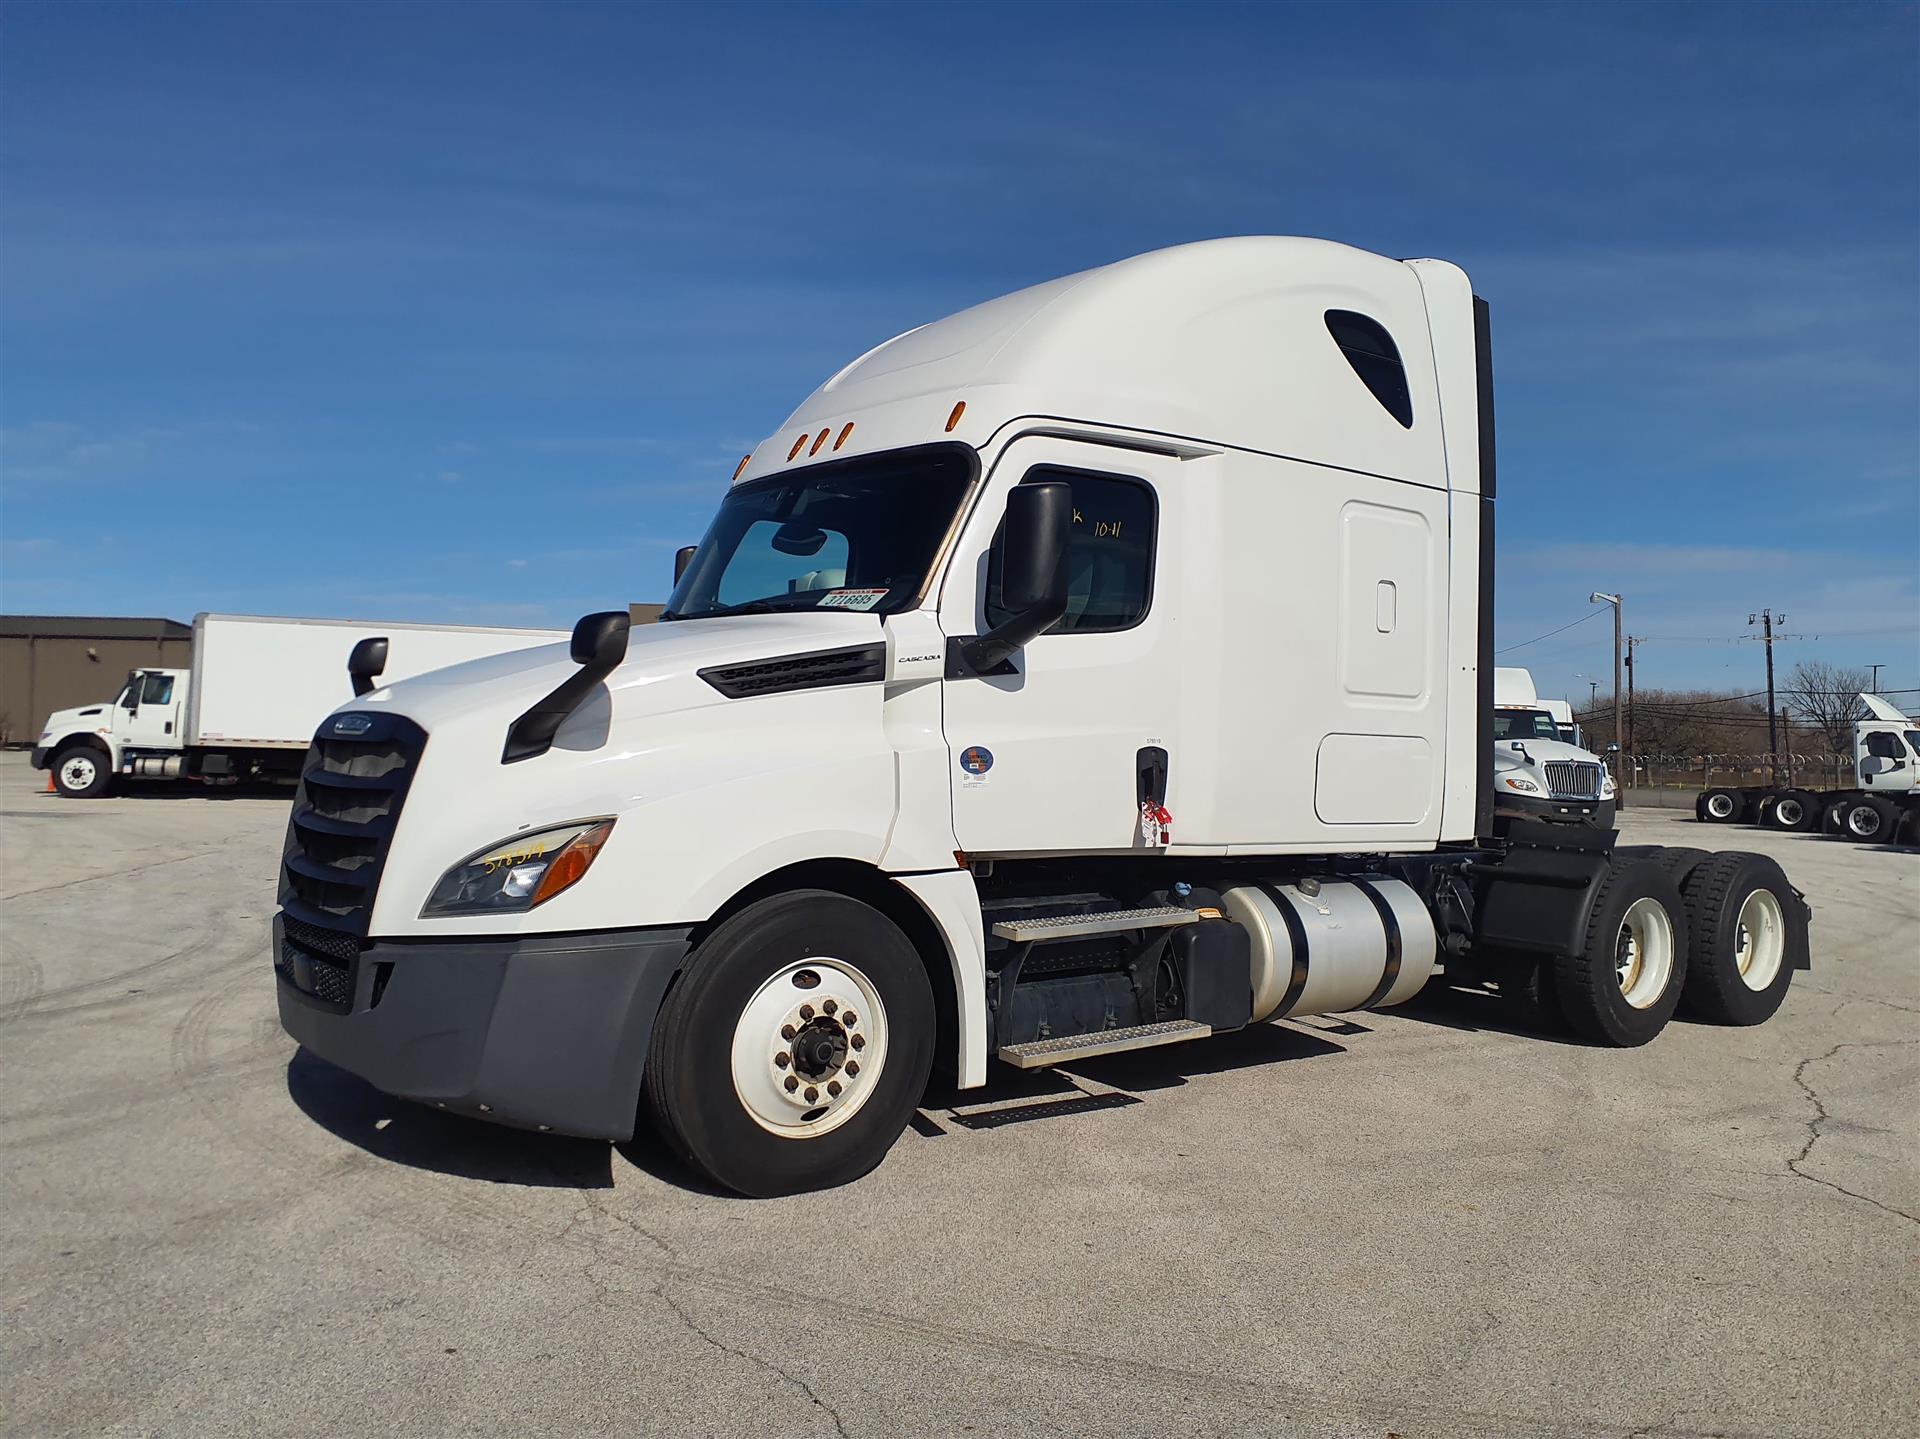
(246, 706)
(1104, 666)
(1883, 807)
(1537, 774)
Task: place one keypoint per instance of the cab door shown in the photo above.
(154, 720)
(1049, 756)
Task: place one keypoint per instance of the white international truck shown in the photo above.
(1104, 666)
(246, 706)
(1537, 774)
(1883, 807)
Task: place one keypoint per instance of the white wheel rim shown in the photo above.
(1864, 821)
(78, 771)
(1719, 805)
(809, 1048)
(1760, 939)
(1643, 952)
(1789, 811)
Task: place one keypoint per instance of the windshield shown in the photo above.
(1524, 724)
(858, 535)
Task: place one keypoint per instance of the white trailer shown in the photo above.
(247, 705)
(1883, 807)
(1108, 665)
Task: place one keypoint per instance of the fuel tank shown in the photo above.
(1322, 947)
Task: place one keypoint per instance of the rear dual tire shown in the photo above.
(1795, 811)
(792, 1051)
(1749, 933)
(1720, 806)
(1871, 820)
(1625, 982)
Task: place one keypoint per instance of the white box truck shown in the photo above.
(1107, 665)
(246, 706)
(1537, 774)
(1882, 808)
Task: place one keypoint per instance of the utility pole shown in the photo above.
(1632, 640)
(1876, 678)
(1765, 620)
(1619, 748)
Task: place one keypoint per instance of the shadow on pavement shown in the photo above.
(411, 1134)
(1476, 1011)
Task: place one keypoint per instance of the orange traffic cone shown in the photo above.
(51, 788)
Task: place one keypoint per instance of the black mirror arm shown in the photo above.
(992, 652)
(599, 644)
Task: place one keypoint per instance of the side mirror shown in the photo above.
(131, 704)
(683, 557)
(1033, 577)
(365, 664)
(599, 644)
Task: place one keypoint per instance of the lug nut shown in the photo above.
(859, 1041)
(782, 1059)
(853, 1067)
(848, 1018)
(806, 1011)
(812, 1094)
(833, 1088)
(792, 1084)
(827, 1006)
(787, 1031)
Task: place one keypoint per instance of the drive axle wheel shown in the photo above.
(1749, 935)
(1623, 985)
(81, 772)
(791, 1052)
(1871, 820)
(1794, 810)
(1720, 806)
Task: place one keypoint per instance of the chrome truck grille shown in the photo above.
(1573, 779)
(351, 789)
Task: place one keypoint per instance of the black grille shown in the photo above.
(351, 790)
(856, 665)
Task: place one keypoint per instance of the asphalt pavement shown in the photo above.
(1415, 1223)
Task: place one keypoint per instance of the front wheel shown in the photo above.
(792, 1052)
(1624, 984)
(82, 772)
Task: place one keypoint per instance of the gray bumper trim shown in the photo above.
(545, 1031)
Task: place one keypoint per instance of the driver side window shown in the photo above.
(157, 690)
(1109, 554)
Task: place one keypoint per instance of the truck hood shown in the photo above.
(1505, 756)
(92, 718)
(660, 672)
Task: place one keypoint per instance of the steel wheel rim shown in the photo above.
(1789, 811)
(79, 771)
(1643, 953)
(1863, 820)
(1720, 806)
(801, 1066)
(1759, 939)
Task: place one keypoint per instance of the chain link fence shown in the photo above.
(1673, 781)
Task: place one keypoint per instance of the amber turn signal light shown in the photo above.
(570, 866)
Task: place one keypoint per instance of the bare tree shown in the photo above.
(1828, 697)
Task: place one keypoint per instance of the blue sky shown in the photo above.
(466, 313)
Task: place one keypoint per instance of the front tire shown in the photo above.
(1749, 934)
(1624, 984)
(82, 772)
(792, 1051)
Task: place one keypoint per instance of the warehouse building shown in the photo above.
(54, 662)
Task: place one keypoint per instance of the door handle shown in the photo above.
(1150, 775)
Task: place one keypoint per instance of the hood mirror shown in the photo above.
(599, 644)
(365, 664)
(683, 557)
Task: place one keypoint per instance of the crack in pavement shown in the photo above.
(1817, 1125)
(657, 1287)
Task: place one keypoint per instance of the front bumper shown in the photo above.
(40, 756)
(542, 1032)
(1596, 812)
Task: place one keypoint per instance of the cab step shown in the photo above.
(1043, 927)
(1040, 1053)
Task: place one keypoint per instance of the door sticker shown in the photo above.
(975, 761)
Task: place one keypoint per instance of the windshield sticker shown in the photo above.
(975, 761)
(851, 599)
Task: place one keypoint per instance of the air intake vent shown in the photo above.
(855, 665)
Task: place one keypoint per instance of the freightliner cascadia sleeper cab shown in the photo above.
(1104, 666)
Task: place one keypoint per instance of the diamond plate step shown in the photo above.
(1039, 1053)
(1106, 921)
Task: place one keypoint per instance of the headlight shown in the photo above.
(1513, 781)
(519, 873)
(1606, 785)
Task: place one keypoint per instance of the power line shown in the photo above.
(1601, 610)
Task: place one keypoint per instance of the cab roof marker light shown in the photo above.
(744, 461)
(959, 409)
(819, 440)
(797, 444)
(846, 430)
